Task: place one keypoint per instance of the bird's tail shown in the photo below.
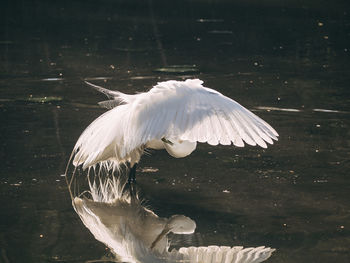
(116, 98)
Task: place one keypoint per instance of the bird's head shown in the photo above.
(180, 224)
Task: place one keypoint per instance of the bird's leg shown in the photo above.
(165, 231)
(132, 180)
(132, 174)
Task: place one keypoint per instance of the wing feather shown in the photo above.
(226, 140)
(209, 122)
(231, 126)
(179, 121)
(249, 129)
(219, 129)
(224, 126)
(238, 126)
(191, 131)
(203, 115)
(201, 126)
(189, 111)
(194, 132)
(214, 133)
(263, 125)
(259, 131)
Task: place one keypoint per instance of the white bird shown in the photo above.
(174, 115)
(136, 234)
(127, 227)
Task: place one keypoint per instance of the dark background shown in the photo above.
(288, 61)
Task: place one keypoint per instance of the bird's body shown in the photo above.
(174, 115)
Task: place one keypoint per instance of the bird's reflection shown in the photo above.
(136, 234)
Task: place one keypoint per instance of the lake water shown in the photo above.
(286, 61)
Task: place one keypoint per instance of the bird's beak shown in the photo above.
(167, 141)
(160, 236)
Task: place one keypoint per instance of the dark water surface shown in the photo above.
(286, 60)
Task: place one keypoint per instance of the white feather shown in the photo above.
(180, 110)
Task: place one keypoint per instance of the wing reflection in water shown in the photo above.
(136, 234)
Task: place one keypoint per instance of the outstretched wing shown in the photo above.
(225, 254)
(182, 110)
(188, 111)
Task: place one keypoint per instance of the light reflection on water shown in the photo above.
(136, 234)
(294, 196)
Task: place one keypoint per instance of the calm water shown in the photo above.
(289, 63)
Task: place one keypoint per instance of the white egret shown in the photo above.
(114, 217)
(136, 234)
(174, 115)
